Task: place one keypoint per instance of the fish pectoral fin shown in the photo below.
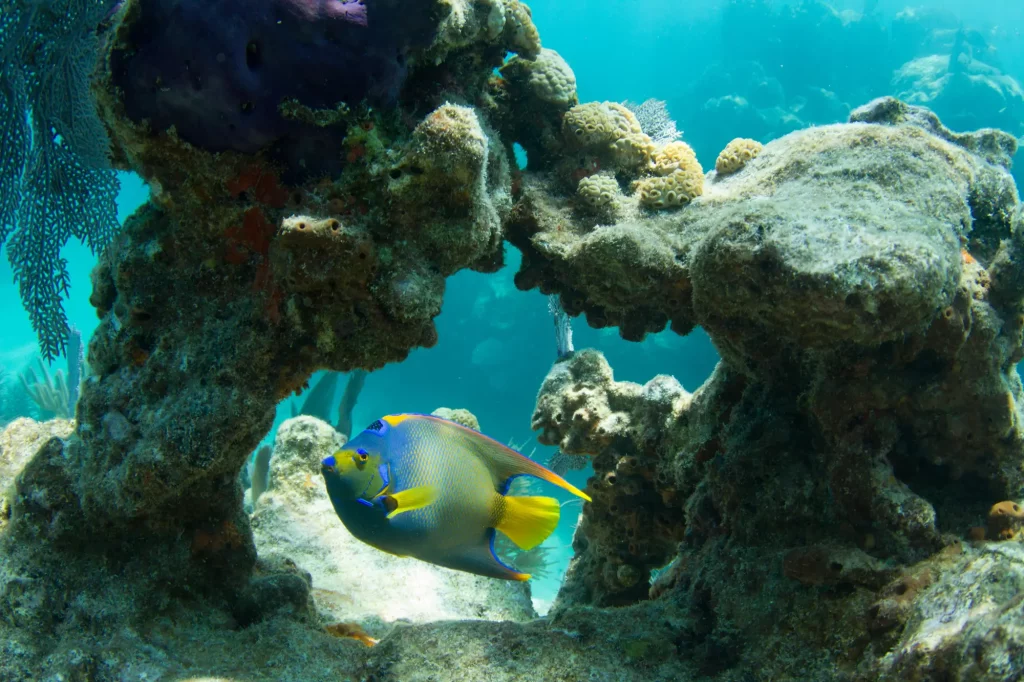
(407, 500)
(528, 521)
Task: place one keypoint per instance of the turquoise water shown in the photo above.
(725, 70)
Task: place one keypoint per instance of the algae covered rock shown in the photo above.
(352, 581)
(19, 441)
(963, 622)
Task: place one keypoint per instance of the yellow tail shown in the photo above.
(528, 521)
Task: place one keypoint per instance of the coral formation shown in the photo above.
(459, 416)
(548, 78)
(736, 155)
(530, 100)
(866, 402)
(319, 237)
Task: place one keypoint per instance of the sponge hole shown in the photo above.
(253, 55)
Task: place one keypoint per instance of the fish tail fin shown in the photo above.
(528, 521)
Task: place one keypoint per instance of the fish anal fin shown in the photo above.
(408, 500)
(481, 559)
(528, 521)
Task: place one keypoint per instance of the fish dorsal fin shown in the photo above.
(528, 521)
(506, 463)
(408, 500)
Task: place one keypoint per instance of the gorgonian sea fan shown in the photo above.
(55, 177)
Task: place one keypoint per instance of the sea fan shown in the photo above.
(55, 177)
(655, 120)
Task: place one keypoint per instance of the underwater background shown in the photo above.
(724, 69)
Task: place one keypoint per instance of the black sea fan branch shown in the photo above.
(55, 177)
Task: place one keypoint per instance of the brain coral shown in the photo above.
(736, 155)
(609, 129)
(218, 71)
(678, 178)
(549, 78)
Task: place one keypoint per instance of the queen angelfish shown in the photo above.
(421, 486)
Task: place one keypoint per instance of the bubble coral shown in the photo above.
(737, 154)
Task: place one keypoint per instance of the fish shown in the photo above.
(420, 486)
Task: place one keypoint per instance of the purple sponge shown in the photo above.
(218, 69)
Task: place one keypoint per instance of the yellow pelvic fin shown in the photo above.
(407, 500)
(528, 521)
